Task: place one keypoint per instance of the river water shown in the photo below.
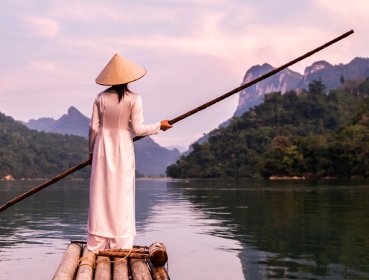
(213, 229)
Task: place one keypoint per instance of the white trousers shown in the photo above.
(97, 243)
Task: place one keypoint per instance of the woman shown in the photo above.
(117, 113)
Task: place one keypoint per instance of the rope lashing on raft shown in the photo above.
(93, 265)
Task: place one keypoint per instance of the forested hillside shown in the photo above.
(26, 153)
(311, 133)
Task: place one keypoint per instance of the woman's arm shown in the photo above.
(138, 128)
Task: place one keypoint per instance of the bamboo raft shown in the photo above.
(139, 263)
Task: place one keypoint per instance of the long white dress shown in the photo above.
(112, 183)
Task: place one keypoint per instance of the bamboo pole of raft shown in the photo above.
(156, 252)
(123, 252)
(181, 117)
(69, 263)
(158, 273)
(124, 255)
(86, 265)
(139, 270)
(120, 269)
(103, 268)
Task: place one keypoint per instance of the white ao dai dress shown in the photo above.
(112, 184)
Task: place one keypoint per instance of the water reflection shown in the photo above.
(214, 229)
(38, 229)
(293, 230)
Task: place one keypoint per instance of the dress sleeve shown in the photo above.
(138, 128)
(94, 127)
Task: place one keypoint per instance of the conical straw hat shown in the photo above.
(120, 70)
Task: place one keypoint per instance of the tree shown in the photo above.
(317, 87)
(283, 158)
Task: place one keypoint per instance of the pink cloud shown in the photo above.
(42, 27)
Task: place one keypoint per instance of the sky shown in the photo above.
(194, 50)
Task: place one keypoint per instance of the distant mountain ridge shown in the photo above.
(287, 79)
(73, 123)
(151, 158)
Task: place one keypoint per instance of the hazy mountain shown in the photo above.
(151, 158)
(331, 76)
(74, 123)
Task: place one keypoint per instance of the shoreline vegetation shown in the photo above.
(11, 178)
(272, 178)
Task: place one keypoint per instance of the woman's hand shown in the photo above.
(164, 125)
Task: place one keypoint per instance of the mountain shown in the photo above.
(333, 76)
(306, 134)
(73, 123)
(151, 158)
(283, 81)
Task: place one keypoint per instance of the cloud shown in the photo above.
(355, 10)
(45, 66)
(41, 27)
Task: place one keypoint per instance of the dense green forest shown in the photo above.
(311, 133)
(26, 153)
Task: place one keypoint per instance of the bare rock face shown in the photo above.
(330, 75)
(283, 81)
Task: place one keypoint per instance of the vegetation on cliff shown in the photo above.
(311, 133)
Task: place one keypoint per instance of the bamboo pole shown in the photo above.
(139, 270)
(69, 263)
(86, 265)
(124, 255)
(122, 252)
(158, 272)
(181, 117)
(120, 269)
(103, 268)
(158, 254)
(262, 77)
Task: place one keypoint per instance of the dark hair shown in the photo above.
(120, 90)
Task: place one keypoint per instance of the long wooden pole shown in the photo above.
(179, 118)
(249, 84)
(44, 185)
